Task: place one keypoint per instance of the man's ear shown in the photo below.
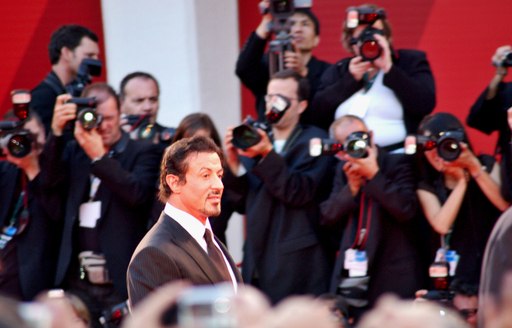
(316, 41)
(66, 53)
(173, 181)
(303, 104)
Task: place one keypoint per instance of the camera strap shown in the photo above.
(19, 218)
(363, 220)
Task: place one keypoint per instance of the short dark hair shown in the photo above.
(196, 121)
(132, 76)
(303, 88)
(175, 160)
(104, 89)
(308, 12)
(68, 36)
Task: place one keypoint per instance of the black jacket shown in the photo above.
(410, 78)
(281, 193)
(126, 193)
(44, 96)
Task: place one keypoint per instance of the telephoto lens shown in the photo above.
(19, 143)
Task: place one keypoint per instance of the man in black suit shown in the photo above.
(373, 205)
(280, 186)
(177, 247)
(69, 45)
(105, 182)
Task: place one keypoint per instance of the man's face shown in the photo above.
(303, 32)
(109, 128)
(86, 49)
(287, 88)
(200, 195)
(38, 131)
(140, 98)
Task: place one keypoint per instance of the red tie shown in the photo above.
(216, 256)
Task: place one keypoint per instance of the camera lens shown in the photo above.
(245, 136)
(449, 149)
(370, 50)
(19, 145)
(89, 119)
(356, 148)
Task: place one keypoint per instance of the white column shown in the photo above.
(191, 47)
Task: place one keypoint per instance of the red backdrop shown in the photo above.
(459, 37)
(26, 27)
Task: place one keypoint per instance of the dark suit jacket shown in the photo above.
(393, 261)
(169, 253)
(36, 246)
(126, 192)
(410, 78)
(284, 253)
(44, 96)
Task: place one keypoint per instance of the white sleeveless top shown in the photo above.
(381, 111)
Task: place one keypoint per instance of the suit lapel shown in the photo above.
(189, 245)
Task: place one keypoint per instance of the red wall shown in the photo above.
(26, 27)
(458, 36)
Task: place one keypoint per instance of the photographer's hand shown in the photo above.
(231, 152)
(296, 61)
(367, 167)
(384, 62)
(62, 113)
(262, 148)
(357, 67)
(263, 29)
(354, 179)
(501, 71)
(90, 141)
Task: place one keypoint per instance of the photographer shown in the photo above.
(391, 90)
(372, 203)
(489, 112)
(139, 95)
(69, 45)
(27, 233)
(252, 66)
(280, 187)
(106, 183)
(460, 196)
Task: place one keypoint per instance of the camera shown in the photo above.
(88, 67)
(113, 316)
(507, 60)
(246, 135)
(355, 145)
(447, 144)
(87, 115)
(17, 140)
(369, 48)
(207, 306)
(148, 130)
(281, 11)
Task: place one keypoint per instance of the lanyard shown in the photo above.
(362, 233)
(95, 184)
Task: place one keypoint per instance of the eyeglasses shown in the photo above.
(268, 97)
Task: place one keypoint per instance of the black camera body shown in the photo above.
(86, 112)
(246, 135)
(281, 11)
(369, 48)
(507, 61)
(447, 144)
(355, 145)
(148, 130)
(17, 140)
(88, 67)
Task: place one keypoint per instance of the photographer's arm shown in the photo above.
(441, 216)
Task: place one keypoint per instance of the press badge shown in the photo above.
(356, 262)
(89, 213)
